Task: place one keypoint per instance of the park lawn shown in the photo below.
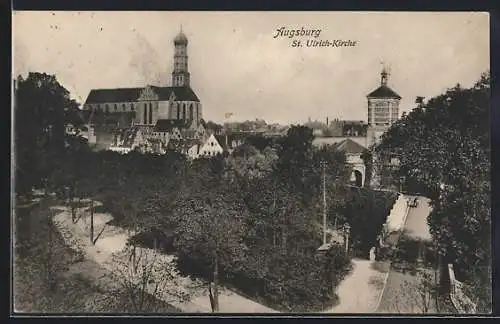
(79, 286)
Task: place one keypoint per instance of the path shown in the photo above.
(361, 290)
(416, 222)
(113, 239)
(403, 291)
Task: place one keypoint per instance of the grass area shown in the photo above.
(406, 292)
(43, 281)
(445, 306)
(381, 266)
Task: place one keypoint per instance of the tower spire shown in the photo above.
(180, 75)
(384, 75)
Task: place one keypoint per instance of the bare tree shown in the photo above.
(147, 279)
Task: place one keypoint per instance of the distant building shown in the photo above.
(353, 136)
(383, 109)
(151, 106)
(353, 147)
(210, 148)
(321, 141)
(353, 152)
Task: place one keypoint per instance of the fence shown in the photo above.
(460, 300)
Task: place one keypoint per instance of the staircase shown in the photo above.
(397, 216)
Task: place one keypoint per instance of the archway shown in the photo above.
(357, 178)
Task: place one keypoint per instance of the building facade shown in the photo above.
(383, 109)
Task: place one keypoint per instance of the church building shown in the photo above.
(149, 108)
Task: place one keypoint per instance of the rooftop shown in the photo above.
(383, 92)
(118, 95)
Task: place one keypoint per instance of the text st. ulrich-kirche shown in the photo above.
(148, 118)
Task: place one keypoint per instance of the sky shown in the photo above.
(238, 66)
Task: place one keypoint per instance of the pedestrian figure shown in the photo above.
(372, 254)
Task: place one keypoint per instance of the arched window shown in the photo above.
(116, 107)
(106, 108)
(183, 111)
(99, 107)
(150, 113)
(178, 111)
(123, 107)
(132, 107)
(145, 119)
(191, 112)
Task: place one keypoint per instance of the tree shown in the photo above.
(248, 162)
(367, 158)
(40, 110)
(209, 224)
(213, 127)
(255, 233)
(444, 150)
(366, 211)
(295, 155)
(146, 278)
(259, 142)
(337, 173)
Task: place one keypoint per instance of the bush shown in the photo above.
(478, 285)
(164, 240)
(287, 281)
(408, 249)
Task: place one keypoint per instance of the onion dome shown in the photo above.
(180, 39)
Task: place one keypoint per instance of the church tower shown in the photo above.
(383, 109)
(180, 75)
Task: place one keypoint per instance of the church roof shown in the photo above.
(132, 94)
(349, 146)
(166, 125)
(383, 92)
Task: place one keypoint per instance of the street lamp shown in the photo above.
(347, 231)
(401, 182)
(66, 193)
(323, 164)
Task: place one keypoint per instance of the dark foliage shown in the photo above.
(366, 211)
(444, 149)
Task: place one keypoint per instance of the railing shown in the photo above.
(397, 215)
(390, 234)
(462, 303)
